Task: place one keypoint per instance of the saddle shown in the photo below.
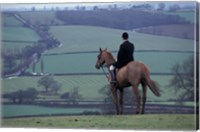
(115, 81)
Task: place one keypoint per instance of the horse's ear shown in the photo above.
(100, 49)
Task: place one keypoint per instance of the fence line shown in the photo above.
(115, 51)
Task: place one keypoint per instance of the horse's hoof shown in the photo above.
(137, 112)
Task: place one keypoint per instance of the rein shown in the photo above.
(104, 72)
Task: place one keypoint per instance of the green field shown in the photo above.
(14, 45)
(89, 38)
(188, 15)
(13, 32)
(158, 62)
(136, 122)
(19, 34)
(86, 38)
(44, 17)
(10, 21)
(88, 86)
(31, 110)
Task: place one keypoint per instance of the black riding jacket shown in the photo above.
(125, 54)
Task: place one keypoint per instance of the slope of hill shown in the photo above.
(87, 38)
(185, 31)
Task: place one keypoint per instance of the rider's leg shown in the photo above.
(113, 74)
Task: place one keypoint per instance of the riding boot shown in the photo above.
(113, 76)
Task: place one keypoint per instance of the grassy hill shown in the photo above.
(8, 20)
(85, 63)
(89, 38)
(188, 15)
(17, 37)
(14, 35)
(89, 86)
(19, 34)
(86, 38)
(42, 17)
(185, 31)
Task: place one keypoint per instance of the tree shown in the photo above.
(33, 8)
(30, 94)
(174, 8)
(42, 65)
(65, 95)
(22, 96)
(48, 82)
(95, 8)
(75, 95)
(9, 62)
(55, 87)
(183, 80)
(161, 6)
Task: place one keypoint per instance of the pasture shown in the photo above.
(19, 34)
(85, 62)
(89, 86)
(14, 45)
(136, 122)
(87, 38)
(41, 17)
(188, 15)
(90, 38)
(10, 21)
(14, 35)
(73, 39)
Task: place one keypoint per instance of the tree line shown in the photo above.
(127, 19)
(17, 60)
(49, 87)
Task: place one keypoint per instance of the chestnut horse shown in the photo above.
(132, 74)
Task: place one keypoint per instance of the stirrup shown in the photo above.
(113, 82)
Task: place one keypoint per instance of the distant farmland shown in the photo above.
(87, 38)
(74, 38)
(160, 53)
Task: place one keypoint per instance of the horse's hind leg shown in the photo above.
(144, 86)
(121, 101)
(138, 98)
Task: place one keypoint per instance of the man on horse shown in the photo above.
(125, 55)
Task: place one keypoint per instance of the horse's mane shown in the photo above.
(110, 55)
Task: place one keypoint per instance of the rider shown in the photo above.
(125, 55)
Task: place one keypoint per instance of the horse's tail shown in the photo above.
(154, 87)
(151, 83)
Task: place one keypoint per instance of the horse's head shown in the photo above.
(104, 57)
(100, 58)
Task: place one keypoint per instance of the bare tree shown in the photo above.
(183, 80)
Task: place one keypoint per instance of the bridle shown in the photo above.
(101, 65)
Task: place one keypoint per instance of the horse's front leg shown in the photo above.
(121, 100)
(115, 98)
